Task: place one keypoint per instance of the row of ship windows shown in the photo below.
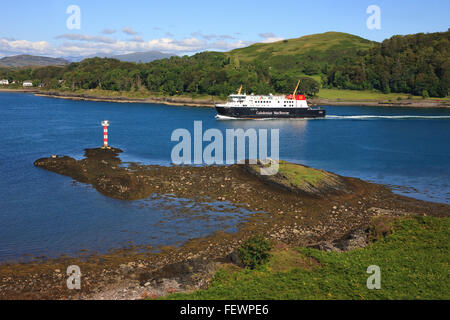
(291, 102)
(288, 102)
(244, 105)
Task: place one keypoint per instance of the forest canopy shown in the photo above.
(415, 64)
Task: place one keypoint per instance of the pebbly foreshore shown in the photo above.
(173, 101)
(337, 209)
(209, 102)
(196, 102)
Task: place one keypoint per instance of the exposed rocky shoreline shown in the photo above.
(192, 102)
(332, 216)
(207, 102)
(374, 103)
(174, 101)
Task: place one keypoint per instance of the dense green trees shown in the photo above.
(212, 73)
(416, 64)
(285, 83)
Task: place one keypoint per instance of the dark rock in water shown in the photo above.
(101, 169)
(63, 165)
(102, 153)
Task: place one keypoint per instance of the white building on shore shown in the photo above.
(4, 82)
(27, 84)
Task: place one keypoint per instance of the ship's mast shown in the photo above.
(296, 88)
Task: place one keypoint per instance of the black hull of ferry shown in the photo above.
(261, 113)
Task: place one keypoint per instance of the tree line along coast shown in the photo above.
(411, 65)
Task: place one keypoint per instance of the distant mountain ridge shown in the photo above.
(25, 60)
(416, 64)
(137, 57)
(143, 57)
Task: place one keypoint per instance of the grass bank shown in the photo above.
(139, 94)
(414, 262)
(364, 95)
(325, 97)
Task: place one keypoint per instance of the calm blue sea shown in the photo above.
(42, 213)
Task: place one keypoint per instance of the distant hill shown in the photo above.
(301, 54)
(25, 60)
(314, 43)
(417, 64)
(414, 64)
(143, 57)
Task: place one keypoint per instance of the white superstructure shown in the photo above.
(267, 106)
(270, 101)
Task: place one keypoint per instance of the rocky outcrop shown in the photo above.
(280, 210)
(101, 168)
(302, 179)
(355, 239)
(174, 101)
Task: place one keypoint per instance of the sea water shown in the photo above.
(43, 213)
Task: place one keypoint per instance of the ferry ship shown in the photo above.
(257, 107)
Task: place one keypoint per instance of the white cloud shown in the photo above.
(85, 45)
(225, 45)
(212, 36)
(192, 42)
(266, 35)
(84, 37)
(108, 31)
(274, 39)
(12, 46)
(209, 36)
(269, 37)
(129, 31)
(137, 39)
(225, 36)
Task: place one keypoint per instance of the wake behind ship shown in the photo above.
(257, 107)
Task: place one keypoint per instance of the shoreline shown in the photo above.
(173, 101)
(205, 102)
(425, 104)
(281, 214)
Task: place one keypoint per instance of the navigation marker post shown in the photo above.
(105, 125)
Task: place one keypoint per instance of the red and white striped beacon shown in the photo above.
(105, 125)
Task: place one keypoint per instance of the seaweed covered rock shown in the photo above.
(102, 169)
(301, 179)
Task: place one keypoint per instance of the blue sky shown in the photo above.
(39, 27)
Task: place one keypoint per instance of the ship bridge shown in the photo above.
(237, 97)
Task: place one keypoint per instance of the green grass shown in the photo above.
(362, 95)
(290, 56)
(299, 175)
(332, 94)
(414, 262)
(315, 44)
(140, 94)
